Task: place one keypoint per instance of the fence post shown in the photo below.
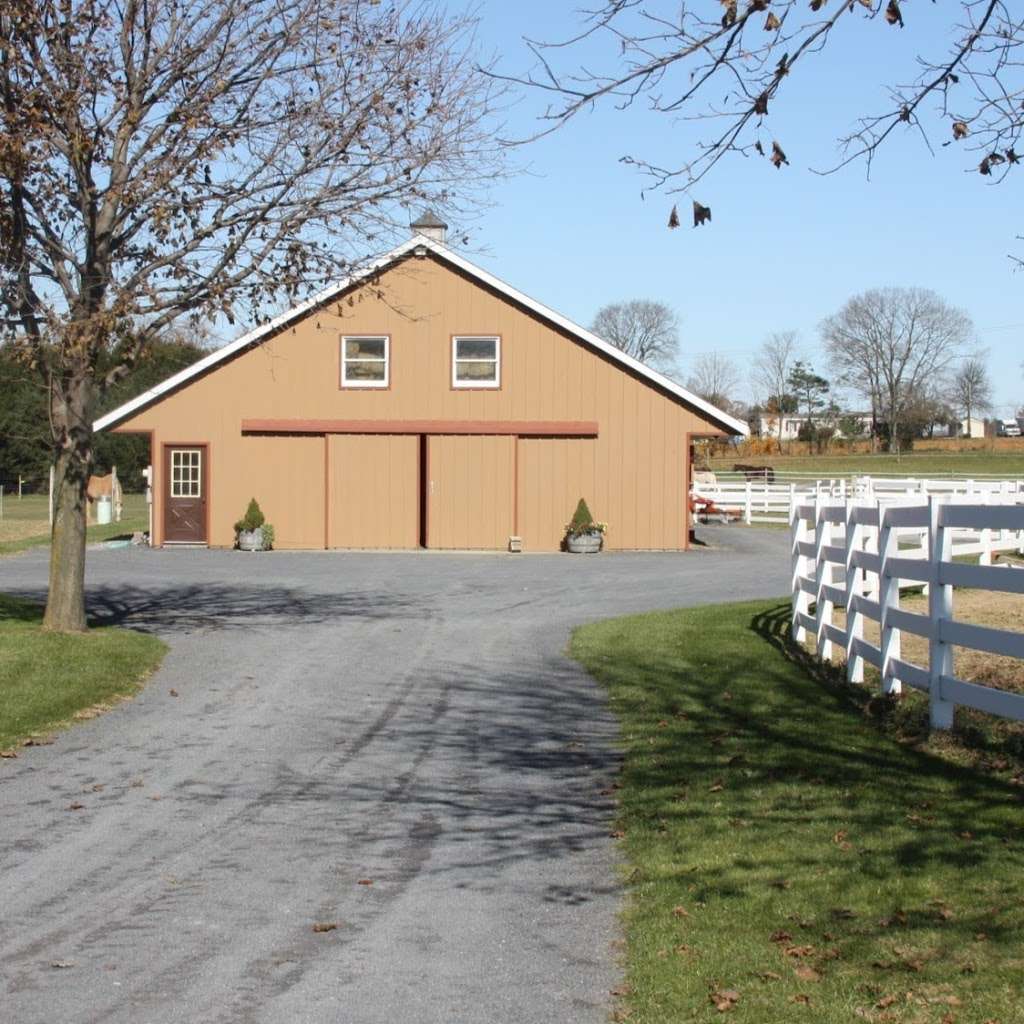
(801, 600)
(888, 598)
(748, 511)
(854, 618)
(822, 576)
(940, 607)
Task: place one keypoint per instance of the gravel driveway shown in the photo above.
(395, 744)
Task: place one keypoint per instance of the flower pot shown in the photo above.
(250, 540)
(584, 543)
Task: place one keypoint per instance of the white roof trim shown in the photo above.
(443, 252)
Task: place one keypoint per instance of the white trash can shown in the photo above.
(104, 507)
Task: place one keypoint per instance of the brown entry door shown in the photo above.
(185, 494)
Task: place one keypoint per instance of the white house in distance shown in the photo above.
(972, 428)
(787, 426)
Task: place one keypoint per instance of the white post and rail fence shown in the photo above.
(858, 555)
(757, 499)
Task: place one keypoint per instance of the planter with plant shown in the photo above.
(584, 535)
(252, 531)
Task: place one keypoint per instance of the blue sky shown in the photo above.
(786, 248)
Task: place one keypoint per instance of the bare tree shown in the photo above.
(645, 330)
(207, 158)
(773, 365)
(727, 70)
(888, 343)
(972, 388)
(716, 379)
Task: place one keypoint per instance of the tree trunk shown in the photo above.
(72, 424)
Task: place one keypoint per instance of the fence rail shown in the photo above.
(859, 555)
(761, 501)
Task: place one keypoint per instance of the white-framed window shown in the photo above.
(365, 361)
(476, 361)
(186, 473)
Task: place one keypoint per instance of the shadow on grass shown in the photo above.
(755, 784)
(986, 740)
(16, 609)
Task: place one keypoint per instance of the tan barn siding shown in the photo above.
(554, 473)
(374, 491)
(636, 468)
(285, 475)
(471, 492)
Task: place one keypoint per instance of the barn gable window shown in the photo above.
(476, 361)
(366, 361)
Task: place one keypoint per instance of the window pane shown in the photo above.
(476, 371)
(363, 348)
(476, 348)
(372, 370)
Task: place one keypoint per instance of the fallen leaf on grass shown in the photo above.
(680, 912)
(724, 1000)
(898, 917)
(770, 976)
(843, 914)
(799, 951)
(801, 997)
(780, 883)
(885, 1002)
(840, 839)
(805, 973)
(621, 991)
(781, 936)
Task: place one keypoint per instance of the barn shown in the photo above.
(422, 403)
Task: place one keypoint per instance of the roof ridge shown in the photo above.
(442, 251)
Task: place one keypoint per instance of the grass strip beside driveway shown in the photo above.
(787, 860)
(49, 679)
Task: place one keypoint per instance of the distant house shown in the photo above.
(787, 426)
(973, 428)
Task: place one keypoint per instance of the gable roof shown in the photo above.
(446, 255)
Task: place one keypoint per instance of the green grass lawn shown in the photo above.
(24, 524)
(925, 463)
(786, 860)
(48, 678)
